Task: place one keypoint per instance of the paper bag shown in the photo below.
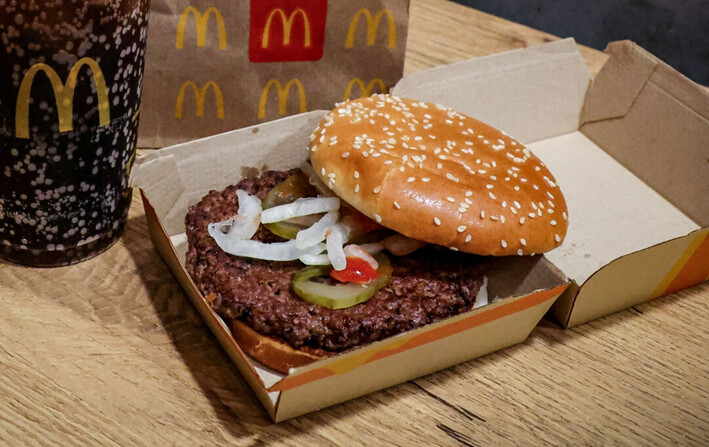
(226, 64)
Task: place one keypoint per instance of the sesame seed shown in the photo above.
(504, 243)
(453, 248)
(345, 154)
(356, 174)
(552, 222)
(425, 179)
(437, 221)
(450, 199)
(513, 209)
(532, 215)
(378, 218)
(322, 171)
(377, 189)
(411, 179)
(482, 214)
(461, 210)
(523, 242)
(396, 204)
(365, 154)
(356, 189)
(557, 238)
(521, 220)
(520, 252)
(468, 238)
(461, 228)
(495, 218)
(492, 196)
(502, 218)
(468, 193)
(489, 186)
(517, 204)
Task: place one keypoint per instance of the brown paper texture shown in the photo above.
(225, 65)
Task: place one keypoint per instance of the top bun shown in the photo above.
(439, 176)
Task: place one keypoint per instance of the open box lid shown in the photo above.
(629, 150)
(538, 95)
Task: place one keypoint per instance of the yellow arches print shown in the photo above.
(63, 94)
(283, 92)
(287, 23)
(201, 21)
(372, 27)
(364, 90)
(200, 96)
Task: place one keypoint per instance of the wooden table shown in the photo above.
(111, 352)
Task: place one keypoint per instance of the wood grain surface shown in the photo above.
(111, 352)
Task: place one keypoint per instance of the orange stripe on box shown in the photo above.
(696, 269)
(438, 333)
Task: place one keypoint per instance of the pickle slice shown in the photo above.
(340, 295)
(294, 187)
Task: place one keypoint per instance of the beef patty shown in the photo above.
(426, 286)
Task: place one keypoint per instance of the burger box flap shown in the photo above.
(629, 150)
(173, 178)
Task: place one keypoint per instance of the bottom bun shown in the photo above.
(272, 351)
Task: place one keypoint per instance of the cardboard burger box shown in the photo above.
(628, 149)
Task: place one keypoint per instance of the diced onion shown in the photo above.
(316, 233)
(301, 207)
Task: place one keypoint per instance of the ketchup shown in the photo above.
(357, 271)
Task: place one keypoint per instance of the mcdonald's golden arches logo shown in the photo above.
(287, 25)
(287, 31)
(372, 27)
(364, 90)
(200, 95)
(201, 22)
(63, 95)
(283, 93)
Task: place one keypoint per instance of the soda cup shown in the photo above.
(70, 83)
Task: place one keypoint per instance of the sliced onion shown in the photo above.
(276, 251)
(314, 180)
(316, 233)
(337, 235)
(313, 258)
(373, 248)
(301, 207)
(481, 299)
(246, 222)
(400, 245)
(356, 251)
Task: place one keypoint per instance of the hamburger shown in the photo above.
(382, 231)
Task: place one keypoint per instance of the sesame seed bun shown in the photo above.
(439, 176)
